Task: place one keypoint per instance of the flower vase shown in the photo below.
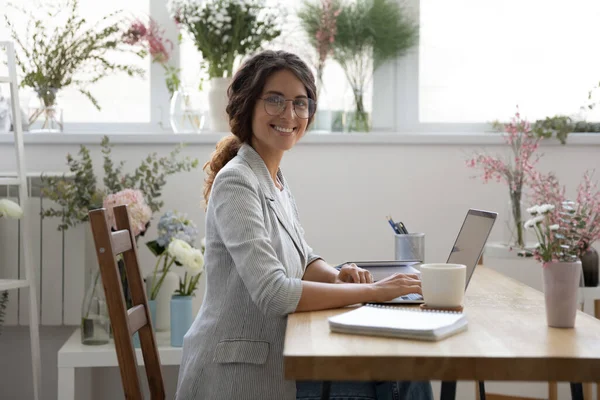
(356, 119)
(514, 230)
(95, 321)
(187, 111)
(45, 114)
(162, 322)
(589, 264)
(561, 288)
(181, 318)
(217, 100)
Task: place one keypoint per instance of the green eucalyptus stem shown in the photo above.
(87, 313)
(515, 199)
(166, 268)
(154, 276)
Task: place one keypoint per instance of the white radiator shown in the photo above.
(59, 260)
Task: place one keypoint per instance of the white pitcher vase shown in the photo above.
(217, 104)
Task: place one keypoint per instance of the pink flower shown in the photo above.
(152, 37)
(326, 33)
(139, 212)
(512, 170)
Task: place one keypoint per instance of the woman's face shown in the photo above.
(276, 131)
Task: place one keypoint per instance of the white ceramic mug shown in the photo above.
(443, 285)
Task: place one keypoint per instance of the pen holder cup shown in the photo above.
(410, 247)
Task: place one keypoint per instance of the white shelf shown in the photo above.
(4, 79)
(8, 284)
(74, 354)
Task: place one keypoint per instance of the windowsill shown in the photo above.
(372, 138)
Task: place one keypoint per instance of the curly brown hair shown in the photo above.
(246, 87)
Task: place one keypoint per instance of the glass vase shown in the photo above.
(188, 111)
(356, 118)
(516, 214)
(95, 321)
(45, 114)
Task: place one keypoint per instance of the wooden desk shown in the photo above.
(507, 340)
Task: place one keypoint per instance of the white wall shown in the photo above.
(344, 191)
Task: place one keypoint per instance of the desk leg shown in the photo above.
(576, 391)
(325, 390)
(481, 386)
(66, 383)
(448, 390)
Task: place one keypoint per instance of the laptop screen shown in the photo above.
(471, 239)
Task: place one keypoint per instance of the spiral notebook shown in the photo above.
(400, 322)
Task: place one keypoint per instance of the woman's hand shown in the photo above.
(350, 273)
(395, 286)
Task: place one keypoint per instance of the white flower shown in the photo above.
(194, 262)
(533, 221)
(179, 250)
(533, 210)
(191, 258)
(553, 227)
(545, 208)
(10, 209)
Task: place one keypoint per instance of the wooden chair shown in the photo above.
(125, 322)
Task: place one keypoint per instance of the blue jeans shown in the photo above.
(351, 390)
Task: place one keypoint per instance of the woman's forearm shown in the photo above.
(320, 271)
(322, 296)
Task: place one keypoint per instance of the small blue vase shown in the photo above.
(136, 336)
(181, 318)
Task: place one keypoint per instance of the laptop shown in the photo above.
(467, 250)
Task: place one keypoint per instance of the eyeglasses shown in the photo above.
(303, 107)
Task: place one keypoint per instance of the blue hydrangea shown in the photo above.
(174, 225)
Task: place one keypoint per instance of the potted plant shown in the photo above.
(163, 282)
(8, 209)
(513, 170)
(223, 31)
(558, 251)
(560, 126)
(368, 34)
(586, 213)
(192, 261)
(72, 53)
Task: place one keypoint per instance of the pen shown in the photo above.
(394, 226)
(402, 227)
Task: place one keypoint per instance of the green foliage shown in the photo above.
(78, 192)
(369, 33)
(71, 54)
(3, 305)
(560, 126)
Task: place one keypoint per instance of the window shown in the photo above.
(123, 100)
(479, 59)
(337, 94)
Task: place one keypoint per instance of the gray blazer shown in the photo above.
(255, 259)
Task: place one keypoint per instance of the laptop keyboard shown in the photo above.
(412, 296)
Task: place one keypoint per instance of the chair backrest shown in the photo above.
(125, 322)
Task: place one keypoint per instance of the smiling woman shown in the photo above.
(259, 266)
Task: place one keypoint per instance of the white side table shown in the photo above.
(73, 354)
